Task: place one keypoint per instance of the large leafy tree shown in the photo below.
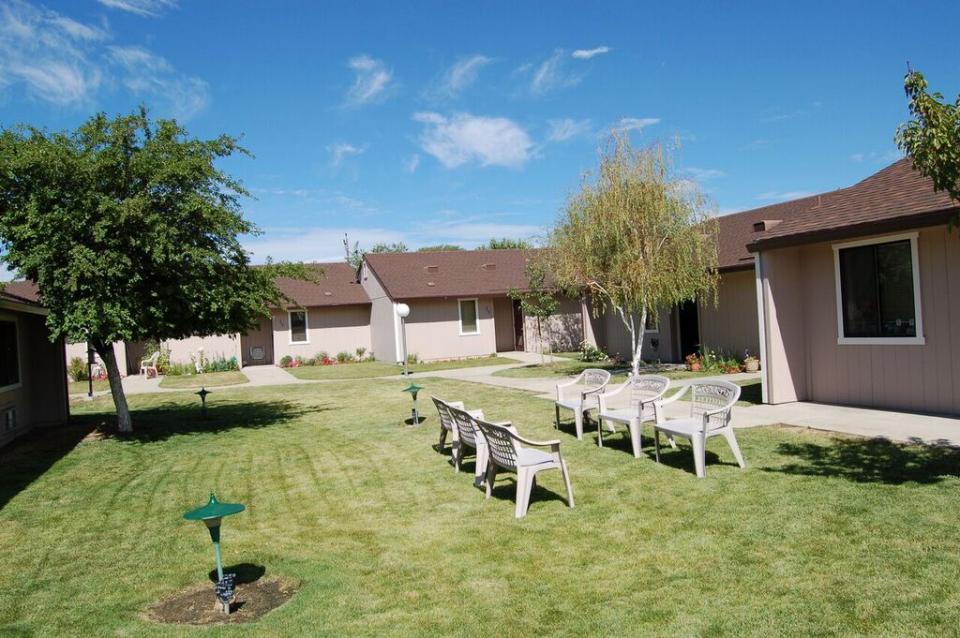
(506, 243)
(131, 233)
(636, 237)
(932, 137)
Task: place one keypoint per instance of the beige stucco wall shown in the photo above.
(614, 338)
(383, 319)
(330, 329)
(41, 396)
(80, 350)
(731, 325)
(433, 330)
(805, 361)
(214, 347)
(562, 331)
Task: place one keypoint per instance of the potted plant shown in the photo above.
(694, 363)
(751, 363)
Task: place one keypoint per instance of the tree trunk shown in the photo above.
(124, 422)
(540, 341)
(637, 336)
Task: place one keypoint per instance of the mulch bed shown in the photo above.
(196, 605)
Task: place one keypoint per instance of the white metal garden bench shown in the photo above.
(507, 452)
(577, 395)
(631, 404)
(711, 407)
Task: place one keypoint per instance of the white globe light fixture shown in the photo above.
(403, 311)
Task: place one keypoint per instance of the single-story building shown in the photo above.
(33, 377)
(859, 296)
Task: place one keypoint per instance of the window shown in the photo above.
(9, 355)
(468, 317)
(652, 323)
(298, 326)
(878, 292)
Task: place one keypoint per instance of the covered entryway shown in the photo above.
(518, 327)
(257, 344)
(503, 324)
(688, 322)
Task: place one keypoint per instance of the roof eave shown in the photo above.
(892, 225)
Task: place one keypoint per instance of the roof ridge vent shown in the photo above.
(432, 268)
(766, 224)
(488, 266)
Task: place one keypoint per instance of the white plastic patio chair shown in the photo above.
(507, 453)
(149, 365)
(577, 395)
(711, 407)
(465, 436)
(446, 419)
(631, 404)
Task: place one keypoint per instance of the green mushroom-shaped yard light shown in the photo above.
(212, 515)
(413, 389)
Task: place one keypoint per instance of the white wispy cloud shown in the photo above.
(147, 74)
(878, 157)
(702, 174)
(781, 196)
(586, 54)
(341, 151)
(59, 60)
(463, 74)
(463, 138)
(567, 128)
(412, 163)
(550, 74)
(635, 123)
(50, 55)
(372, 80)
(145, 8)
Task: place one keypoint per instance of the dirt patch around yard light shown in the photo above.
(195, 605)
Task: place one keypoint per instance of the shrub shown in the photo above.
(345, 357)
(298, 361)
(370, 357)
(360, 352)
(412, 358)
(180, 369)
(221, 364)
(589, 352)
(286, 361)
(77, 369)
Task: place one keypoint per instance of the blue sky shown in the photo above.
(428, 122)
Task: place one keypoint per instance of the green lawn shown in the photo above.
(371, 369)
(820, 535)
(569, 368)
(82, 387)
(207, 380)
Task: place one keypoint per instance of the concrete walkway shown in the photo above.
(896, 426)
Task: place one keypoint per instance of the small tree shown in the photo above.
(438, 248)
(506, 243)
(636, 238)
(536, 300)
(932, 138)
(396, 247)
(131, 233)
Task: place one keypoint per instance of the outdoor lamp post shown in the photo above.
(202, 393)
(91, 359)
(403, 311)
(413, 389)
(212, 515)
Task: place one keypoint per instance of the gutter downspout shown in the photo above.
(761, 320)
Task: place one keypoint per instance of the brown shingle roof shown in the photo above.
(454, 273)
(895, 198)
(736, 230)
(21, 291)
(338, 287)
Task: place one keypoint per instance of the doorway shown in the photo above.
(517, 326)
(503, 323)
(257, 345)
(688, 322)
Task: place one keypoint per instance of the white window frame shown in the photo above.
(918, 340)
(476, 305)
(306, 325)
(16, 326)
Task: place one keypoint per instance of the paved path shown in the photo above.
(898, 426)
